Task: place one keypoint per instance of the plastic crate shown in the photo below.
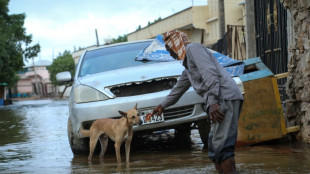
(1, 102)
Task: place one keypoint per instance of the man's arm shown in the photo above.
(177, 91)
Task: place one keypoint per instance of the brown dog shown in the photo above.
(119, 130)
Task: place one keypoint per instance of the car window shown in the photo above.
(111, 58)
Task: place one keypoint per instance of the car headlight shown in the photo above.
(87, 94)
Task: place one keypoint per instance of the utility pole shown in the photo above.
(221, 14)
(97, 38)
(250, 29)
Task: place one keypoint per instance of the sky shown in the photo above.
(59, 25)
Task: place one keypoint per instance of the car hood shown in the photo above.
(103, 81)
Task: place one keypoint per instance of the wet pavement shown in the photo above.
(33, 139)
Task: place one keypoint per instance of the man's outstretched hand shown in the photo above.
(215, 114)
(158, 110)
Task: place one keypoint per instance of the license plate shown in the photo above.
(154, 118)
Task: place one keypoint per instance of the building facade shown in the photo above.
(34, 81)
(201, 23)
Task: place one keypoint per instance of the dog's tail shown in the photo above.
(84, 132)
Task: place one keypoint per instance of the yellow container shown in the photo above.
(261, 117)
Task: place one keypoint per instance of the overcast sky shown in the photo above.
(59, 25)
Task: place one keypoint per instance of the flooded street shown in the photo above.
(34, 140)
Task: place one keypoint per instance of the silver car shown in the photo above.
(109, 79)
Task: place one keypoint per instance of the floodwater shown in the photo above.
(33, 139)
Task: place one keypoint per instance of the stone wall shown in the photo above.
(298, 84)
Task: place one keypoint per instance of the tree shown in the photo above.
(139, 27)
(64, 62)
(149, 23)
(14, 45)
(157, 20)
(120, 39)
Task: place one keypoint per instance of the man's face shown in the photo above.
(172, 53)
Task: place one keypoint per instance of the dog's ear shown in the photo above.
(124, 114)
(136, 106)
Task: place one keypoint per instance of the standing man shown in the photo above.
(221, 95)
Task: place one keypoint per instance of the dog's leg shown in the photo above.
(127, 149)
(117, 146)
(92, 144)
(104, 144)
(127, 146)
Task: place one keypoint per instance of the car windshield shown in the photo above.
(111, 58)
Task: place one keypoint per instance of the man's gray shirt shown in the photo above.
(209, 79)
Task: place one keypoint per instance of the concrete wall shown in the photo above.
(212, 24)
(200, 22)
(192, 21)
(40, 70)
(233, 12)
(24, 86)
(200, 16)
(196, 35)
(298, 83)
(179, 20)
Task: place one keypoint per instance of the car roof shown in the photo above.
(117, 44)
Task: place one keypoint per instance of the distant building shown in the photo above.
(34, 80)
(203, 24)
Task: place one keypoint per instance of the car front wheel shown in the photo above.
(78, 145)
(183, 133)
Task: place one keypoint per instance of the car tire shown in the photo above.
(183, 132)
(204, 130)
(78, 145)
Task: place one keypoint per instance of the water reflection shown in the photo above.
(12, 127)
(274, 159)
(163, 162)
(34, 136)
(34, 140)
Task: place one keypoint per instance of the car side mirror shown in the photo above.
(63, 76)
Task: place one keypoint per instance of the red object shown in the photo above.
(148, 117)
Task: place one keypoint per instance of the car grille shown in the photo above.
(168, 114)
(178, 112)
(143, 87)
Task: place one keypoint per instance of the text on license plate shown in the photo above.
(154, 118)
